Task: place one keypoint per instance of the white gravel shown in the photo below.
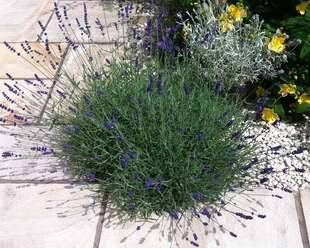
(286, 148)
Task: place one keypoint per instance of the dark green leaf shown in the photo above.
(303, 108)
(278, 108)
(305, 51)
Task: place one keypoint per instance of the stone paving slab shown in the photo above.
(21, 101)
(49, 216)
(305, 201)
(24, 66)
(279, 229)
(119, 234)
(95, 9)
(25, 163)
(19, 19)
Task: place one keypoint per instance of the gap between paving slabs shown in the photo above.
(304, 211)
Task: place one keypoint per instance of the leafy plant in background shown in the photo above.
(231, 50)
(294, 18)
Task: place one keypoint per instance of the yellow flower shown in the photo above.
(226, 23)
(269, 116)
(277, 43)
(186, 30)
(287, 89)
(302, 7)
(260, 91)
(237, 12)
(304, 98)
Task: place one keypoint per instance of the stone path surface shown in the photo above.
(42, 206)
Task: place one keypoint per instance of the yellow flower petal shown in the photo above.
(302, 7)
(236, 12)
(277, 43)
(226, 23)
(304, 98)
(287, 89)
(269, 116)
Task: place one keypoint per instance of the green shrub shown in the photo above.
(157, 140)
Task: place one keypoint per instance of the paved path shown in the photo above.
(42, 207)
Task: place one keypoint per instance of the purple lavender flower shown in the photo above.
(262, 216)
(127, 10)
(159, 21)
(62, 94)
(149, 183)
(159, 185)
(132, 154)
(124, 160)
(263, 180)
(131, 194)
(97, 76)
(91, 177)
(165, 44)
(86, 99)
(260, 106)
(249, 165)
(244, 216)
(218, 88)
(194, 244)
(109, 126)
(99, 92)
(300, 170)
(197, 196)
(174, 215)
(67, 146)
(187, 89)
(72, 109)
(132, 207)
(230, 123)
(88, 114)
(159, 85)
(71, 129)
(236, 135)
(205, 167)
(200, 136)
(7, 154)
(276, 148)
(148, 29)
(299, 150)
(267, 170)
(100, 25)
(206, 212)
(150, 84)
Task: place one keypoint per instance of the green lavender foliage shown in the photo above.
(155, 138)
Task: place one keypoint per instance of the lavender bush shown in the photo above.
(157, 141)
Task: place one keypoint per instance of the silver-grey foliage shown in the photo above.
(233, 57)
